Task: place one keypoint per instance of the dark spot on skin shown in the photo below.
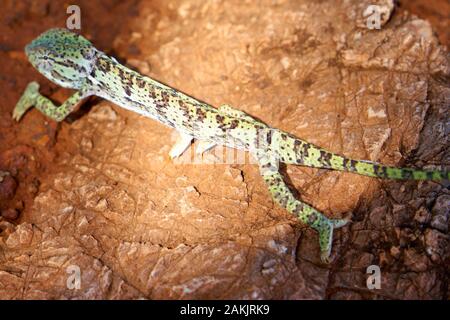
(407, 174)
(325, 158)
(185, 124)
(102, 85)
(201, 115)
(127, 90)
(103, 66)
(121, 73)
(234, 124)
(376, 169)
(345, 162)
(283, 202)
(298, 208)
(305, 148)
(220, 118)
(165, 97)
(159, 105)
(87, 54)
(312, 218)
(185, 111)
(269, 137)
(266, 166)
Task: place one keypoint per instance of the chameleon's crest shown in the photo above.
(64, 57)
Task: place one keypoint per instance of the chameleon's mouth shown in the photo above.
(34, 47)
(28, 49)
(31, 48)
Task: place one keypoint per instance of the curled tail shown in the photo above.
(295, 151)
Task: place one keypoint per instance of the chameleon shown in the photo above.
(71, 61)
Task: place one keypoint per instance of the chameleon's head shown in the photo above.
(64, 57)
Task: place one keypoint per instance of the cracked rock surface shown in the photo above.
(139, 225)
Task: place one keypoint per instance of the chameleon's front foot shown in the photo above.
(325, 229)
(27, 100)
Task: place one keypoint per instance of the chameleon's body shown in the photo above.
(71, 61)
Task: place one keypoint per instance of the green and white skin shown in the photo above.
(71, 61)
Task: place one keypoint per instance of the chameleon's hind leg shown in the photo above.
(307, 214)
(32, 97)
(183, 142)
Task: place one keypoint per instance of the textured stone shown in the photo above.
(141, 226)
